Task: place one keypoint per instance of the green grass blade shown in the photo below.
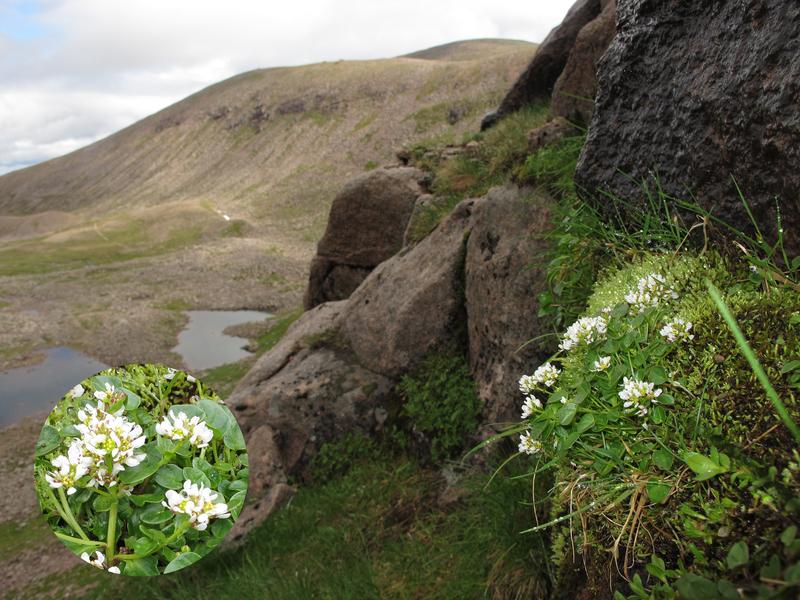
(780, 407)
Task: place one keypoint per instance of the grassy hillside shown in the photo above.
(140, 216)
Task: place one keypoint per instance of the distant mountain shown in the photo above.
(272, 143)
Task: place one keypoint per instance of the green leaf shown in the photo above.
(209, 471)
(216, 415)
(238, 485)
(132, 401)
(657, 375)
(155, 514)
(586, 423)
(153, 534)
(170, 477)
(663, 459)
(141, 567)
(137, 474)
(102, 503)
(704, 467)
(658, 414)
(727, 590)
(49, 440)
(235, 504)
(788, 535)
(657, 492)
(694, 587)
(144, 545)
(196, 476)
(233, 437)
(738, 555)
(791, 365)
(181, 561)
(70, 431)
(221, 527)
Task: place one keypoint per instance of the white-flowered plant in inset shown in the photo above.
(601, 364)
(650, 291)
(677, 330)
(180, 427)
(141, 470)
(637, 395)
(530, 406)
(528, 445)
(99, 561)
(583, 332)
(197, 501)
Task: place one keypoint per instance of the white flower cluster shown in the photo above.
(107, 445)
(636, 392)
(677, 330)
(602, 364)
(545, 375)
(99, 561)
(180, 427)
(197, 502)
(583, 332)
(527, 445)
(650, 291)
(530, 406)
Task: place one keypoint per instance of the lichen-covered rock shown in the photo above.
(576, 87)
(700, 92)
(538, 79)
(411, 303)
(365, 227)
(503, 280)
(551, 132)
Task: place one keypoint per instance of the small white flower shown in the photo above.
(190, 379)
(170, 374)
(650, 291)
(99, 561)
(105, 394)
(677, 329)
(527, 445)
(602, 364)
(530, 406)
(70, 468)
(77, 391)
(179, 427)
(545, 375)
(636, 393)
(583, 332)
(198, 502)
(753, 268)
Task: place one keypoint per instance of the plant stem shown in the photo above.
(111, 542)
(69, 538)
(68, 516)
(780, 408)
(167, 542)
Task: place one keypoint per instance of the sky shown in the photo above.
(75, 71)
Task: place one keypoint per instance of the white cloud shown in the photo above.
(96, 66)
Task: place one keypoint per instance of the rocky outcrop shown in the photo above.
(366, 225)
(727, 83)
(307, 390)
(503, 278)
(412, 303)
(551, 132)
(538, 79)
(576, 87)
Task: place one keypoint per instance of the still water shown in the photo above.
(203, 345)
(28, 390)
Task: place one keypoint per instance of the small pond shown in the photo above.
(203, 345)
(35, 388)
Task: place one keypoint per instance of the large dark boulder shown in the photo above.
(700, 93)
(538, 79)
(365, 227)
(574, 92)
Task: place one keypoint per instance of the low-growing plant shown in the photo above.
(441, 404)
(141, 470)
(661, 444)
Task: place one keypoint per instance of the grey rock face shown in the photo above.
(700, 92)
(504, 277)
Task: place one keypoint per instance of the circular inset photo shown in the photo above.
(141, 470)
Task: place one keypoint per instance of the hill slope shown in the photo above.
(133, 224)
